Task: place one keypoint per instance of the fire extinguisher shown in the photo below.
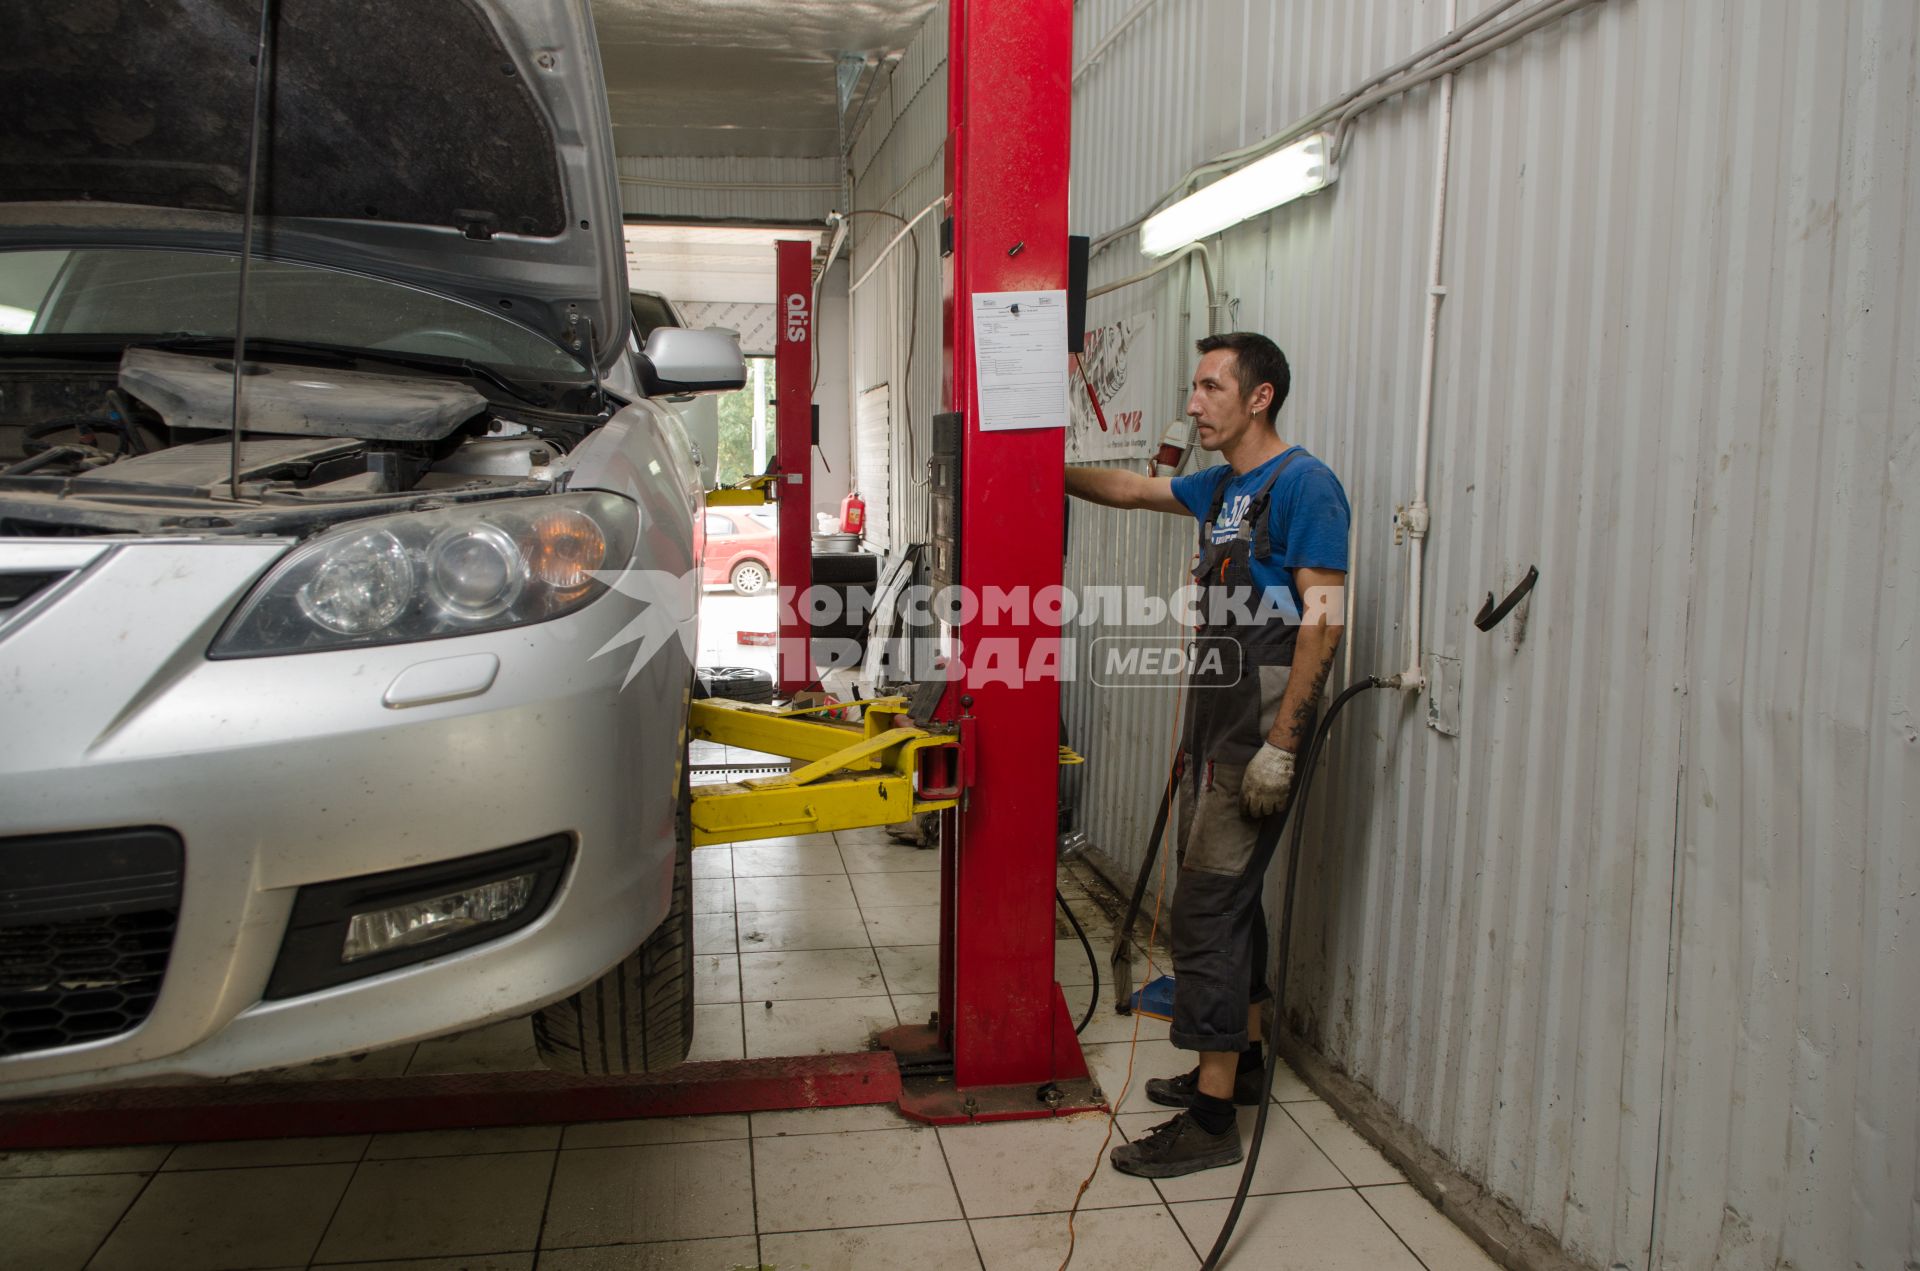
(853, 514)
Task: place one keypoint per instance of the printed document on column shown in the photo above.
(1020, 358)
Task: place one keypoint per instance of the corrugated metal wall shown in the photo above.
(897, 164)
(777, 191)
(1637, 948)
(1792, 1123)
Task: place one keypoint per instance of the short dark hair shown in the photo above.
(1256, 361)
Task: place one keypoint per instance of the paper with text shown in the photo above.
(1020, 358)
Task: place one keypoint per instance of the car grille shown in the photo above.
(86, 928)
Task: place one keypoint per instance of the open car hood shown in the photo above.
(458, 146)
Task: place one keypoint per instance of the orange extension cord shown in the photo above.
(1115, 1100)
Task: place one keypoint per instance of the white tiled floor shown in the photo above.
(804, 946)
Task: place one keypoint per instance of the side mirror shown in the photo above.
(680, 361)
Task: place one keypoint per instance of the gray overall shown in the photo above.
(1241, 666)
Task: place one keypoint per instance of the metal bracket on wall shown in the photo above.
(1443, 694)
(1490, 614)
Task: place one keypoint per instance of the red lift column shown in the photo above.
(1002, 1017)
(793, 455)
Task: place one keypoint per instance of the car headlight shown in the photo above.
(426, 575)
(475, 571)
(359, 586)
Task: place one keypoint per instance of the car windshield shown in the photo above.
(137, 294)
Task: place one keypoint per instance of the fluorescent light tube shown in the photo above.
(1281, 177)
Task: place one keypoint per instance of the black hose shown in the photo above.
(50, 456)
(33, 440)
(1092, 961)
(1141, 879)
(1297, 814)
(1123, 939)
(120, 406)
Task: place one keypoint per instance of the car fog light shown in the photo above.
(420, 921)
(475, 571)
(361, 587)
(345, 929)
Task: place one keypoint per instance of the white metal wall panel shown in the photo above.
(778, 191)
(897, 166)
(1637, 948)
(1791, 1124)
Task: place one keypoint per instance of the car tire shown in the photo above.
(638, 1017)
(741, 683)
(749, 578)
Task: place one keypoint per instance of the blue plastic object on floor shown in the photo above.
(1156, 1000)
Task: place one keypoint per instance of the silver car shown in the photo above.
(361, 721)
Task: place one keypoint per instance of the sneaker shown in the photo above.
(1178, 1092)
(1177, 1147)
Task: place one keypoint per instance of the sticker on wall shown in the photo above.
(1118, 365)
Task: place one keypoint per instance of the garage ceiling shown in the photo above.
(738, 78)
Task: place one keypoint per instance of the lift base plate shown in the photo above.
(362, 1105)
(937, 1100)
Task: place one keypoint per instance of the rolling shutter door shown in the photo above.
(872, 462)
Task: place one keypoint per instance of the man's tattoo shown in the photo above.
(1302, 721)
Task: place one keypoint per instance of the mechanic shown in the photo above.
(1273, 532)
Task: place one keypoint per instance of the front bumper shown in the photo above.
(285, 771)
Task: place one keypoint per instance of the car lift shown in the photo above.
(882, 771)
(1002, 1044)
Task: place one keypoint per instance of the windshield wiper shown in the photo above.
(348, 356)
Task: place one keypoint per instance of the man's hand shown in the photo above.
(1268, 783)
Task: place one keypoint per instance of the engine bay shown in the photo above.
(147, 447)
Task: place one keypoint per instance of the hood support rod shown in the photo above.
(262, 63)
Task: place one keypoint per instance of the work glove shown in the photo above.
(1268, 783)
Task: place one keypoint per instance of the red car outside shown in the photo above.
(741, 547)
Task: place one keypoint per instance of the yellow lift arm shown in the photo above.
(754, 491)
(880, 771)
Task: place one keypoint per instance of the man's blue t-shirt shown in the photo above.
(1307, 515)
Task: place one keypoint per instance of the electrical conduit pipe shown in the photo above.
(895, 241)
(1417, 516)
